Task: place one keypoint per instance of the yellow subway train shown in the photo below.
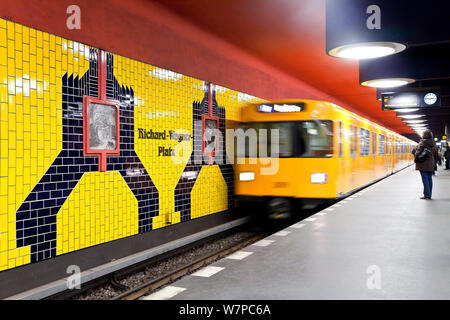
(324, 152)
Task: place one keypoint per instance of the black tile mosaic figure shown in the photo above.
(36, 217)
(197, 161)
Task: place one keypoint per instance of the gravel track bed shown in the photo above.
(163, 267)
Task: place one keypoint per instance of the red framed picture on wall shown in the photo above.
(210, 136)
(101, 129)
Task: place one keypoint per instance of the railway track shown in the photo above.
(148, 276)
(147, 288)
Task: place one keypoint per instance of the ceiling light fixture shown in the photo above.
(415, 121)
(367, 50)
(387, 83)
(411, 116)
(405, 110)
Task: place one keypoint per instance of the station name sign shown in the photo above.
(163, 135)
(417, 99)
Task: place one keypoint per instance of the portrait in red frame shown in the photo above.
(101, 153)
(206, 151)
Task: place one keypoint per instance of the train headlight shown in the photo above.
(319, 177)
(246, 176)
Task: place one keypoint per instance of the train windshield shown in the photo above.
(311, 138)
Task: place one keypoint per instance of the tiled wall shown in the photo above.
(53, 198)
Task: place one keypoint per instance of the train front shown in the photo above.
(284, 156)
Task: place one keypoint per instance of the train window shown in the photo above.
(296, 139)
(340, 139)
(374, 143)
(262, 141)
(315, 138)
(353, 141)
(286, 140)
(381, 144)
(364, 142)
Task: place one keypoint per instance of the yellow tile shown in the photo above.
(3, 97)
(11, 67)
(11, 263)
(3, 189)
(10, 47)
(26, 34)
(4, 167)
(33, 46)
(3, 56)
(18, 41)
(10, 27)
(39, 38)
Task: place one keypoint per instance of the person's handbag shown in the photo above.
(423, 156)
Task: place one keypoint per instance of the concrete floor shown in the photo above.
(383, 243)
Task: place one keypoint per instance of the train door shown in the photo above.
(387, 155)
(353, 163)
(391, 154)
(343, 166)
(374, 154)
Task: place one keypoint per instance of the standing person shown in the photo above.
(426, 164)
(439, 156)
(447, 156)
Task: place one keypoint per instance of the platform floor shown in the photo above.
(382, 243)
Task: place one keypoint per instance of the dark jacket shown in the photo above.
(429, 164)
(446, 153)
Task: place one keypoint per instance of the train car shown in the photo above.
(324, 152)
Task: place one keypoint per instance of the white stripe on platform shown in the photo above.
(282, 233)
(298, 225)
(336, 205)
(322, 213)
(207, 272)
(343, 201)
(165, 293)
(263, 243)
(239, 255)
(310, 219)
(329, 209)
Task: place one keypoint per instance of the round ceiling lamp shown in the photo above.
(367, 50)
(388, 82)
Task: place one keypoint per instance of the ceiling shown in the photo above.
(290, 35)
